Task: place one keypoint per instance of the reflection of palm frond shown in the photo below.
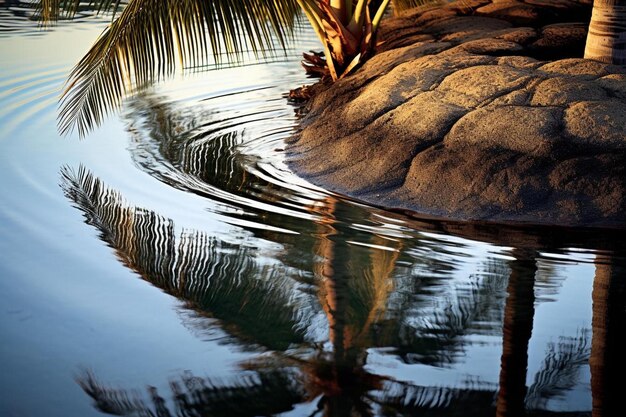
(430, 330)
(410, 400)
(51, 10)
(172, 142)
(560, 369)
(263, 393)
(109, 400)
(478, 301)
(256, 302)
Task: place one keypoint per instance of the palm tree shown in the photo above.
(606, 40)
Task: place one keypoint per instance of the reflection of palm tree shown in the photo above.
(225, 282)
(354, 283)
(260, 306)
(607, 362)
(517, 329)
(353, 293)
(253, 304)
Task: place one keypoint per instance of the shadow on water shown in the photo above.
(313, 322)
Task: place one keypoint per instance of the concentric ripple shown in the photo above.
(220, 135)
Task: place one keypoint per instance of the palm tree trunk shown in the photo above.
(606, 40)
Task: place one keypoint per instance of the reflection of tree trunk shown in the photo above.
(354, 284)
(343, 274)
(518, 325)
(331, 267)
(378, 275)
(607, 361)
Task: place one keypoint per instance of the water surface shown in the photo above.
(172, 264)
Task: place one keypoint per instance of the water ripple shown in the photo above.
(30, 99)
(18, 18)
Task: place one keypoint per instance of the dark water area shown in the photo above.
(170, 264)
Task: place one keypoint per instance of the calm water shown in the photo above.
(171, 265)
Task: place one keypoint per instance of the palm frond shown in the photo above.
(149, 37)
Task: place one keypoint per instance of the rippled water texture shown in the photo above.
(170, 264)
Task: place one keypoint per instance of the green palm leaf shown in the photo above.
(149, 37)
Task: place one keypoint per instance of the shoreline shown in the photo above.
(456, 117)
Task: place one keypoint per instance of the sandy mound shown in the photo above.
(459, 115)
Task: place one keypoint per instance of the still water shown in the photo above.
(171, 264)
